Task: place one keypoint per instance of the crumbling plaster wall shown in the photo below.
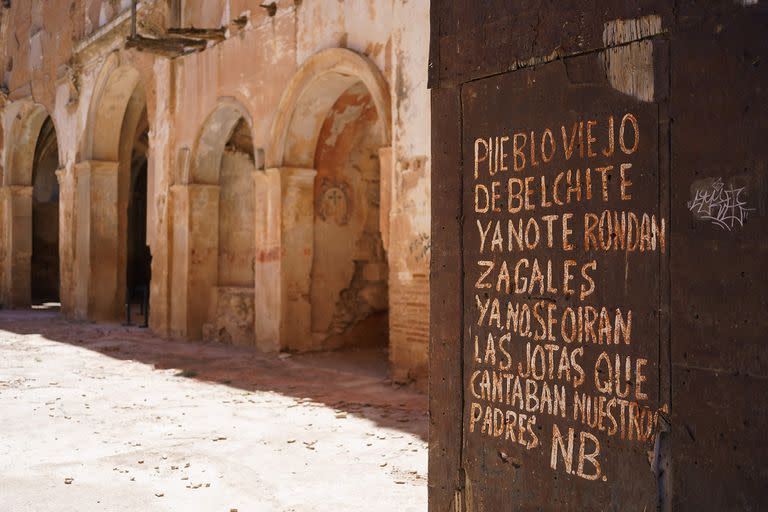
(40, 37)
(275, 48)
(231, 315)
(220, 74)
(394, 35)
(349, 263)
(34, 50)
(236, 230)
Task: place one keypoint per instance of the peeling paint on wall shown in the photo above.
(629, 56)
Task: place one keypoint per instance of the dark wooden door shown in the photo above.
(563, 240)
(598, 277)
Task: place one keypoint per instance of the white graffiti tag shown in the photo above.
(722, 206)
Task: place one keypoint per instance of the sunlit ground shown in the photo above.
(105, 417)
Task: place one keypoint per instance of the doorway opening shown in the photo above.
(116, 200)
(44, 265)
(138, 268)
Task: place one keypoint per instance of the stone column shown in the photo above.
(17, 208)
(97, 251)
(194, 269)
(298, 237)
(267, 306)
(284, 249)
(67, 240)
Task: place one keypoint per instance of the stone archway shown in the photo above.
(213, 232)
(337, 99)
(32, 138)
(45, 263)
(314, 89)
(104, 191)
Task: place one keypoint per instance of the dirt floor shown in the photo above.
(105, 417)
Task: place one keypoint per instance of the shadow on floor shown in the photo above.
(351, 381)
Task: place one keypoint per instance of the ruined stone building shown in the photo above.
(260, 172)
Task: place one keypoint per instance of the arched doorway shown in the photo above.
(44, 265)
(222, 228)
(112, 267)
(31, 256)
(138, 268)
(334, 120)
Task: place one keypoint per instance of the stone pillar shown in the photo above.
(284, 249)
(17, 206)
(194, 269)
(267, 287)
(97, 251)
(67, 240)
(178, 218)
(298, 240)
